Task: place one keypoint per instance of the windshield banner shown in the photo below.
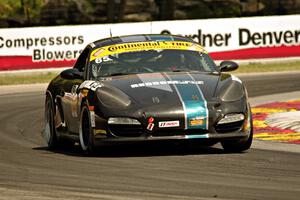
(140, 46)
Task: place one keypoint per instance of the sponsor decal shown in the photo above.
(85, 92)
(167, 124)
(150, 126)
(92, 85)
(141, 46)
(154, 77)
(150, 120)
(155, 100)
(93, 123)
(91, 108)
(171, 82)
(100, 131)
(98, 52)
(195, 97)
(196, 121)
(103, 59)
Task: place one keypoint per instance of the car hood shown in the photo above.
(165, 88)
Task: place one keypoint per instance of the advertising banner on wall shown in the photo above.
(250, 38)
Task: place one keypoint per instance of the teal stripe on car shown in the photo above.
(196, 136)
(195, 106)
(204, 101)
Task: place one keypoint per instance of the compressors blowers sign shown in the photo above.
(252, 38)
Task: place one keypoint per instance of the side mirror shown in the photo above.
(71, 74)
(227, 66)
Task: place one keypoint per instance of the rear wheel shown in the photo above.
(86, 136)
(50, 134)
(239, 145)
(49, 131)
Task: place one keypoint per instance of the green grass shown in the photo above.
(11, 79)
(45, 77)
(269, 67)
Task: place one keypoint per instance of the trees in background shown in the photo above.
(15, 13)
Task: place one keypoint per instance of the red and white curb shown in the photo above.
(277, 121)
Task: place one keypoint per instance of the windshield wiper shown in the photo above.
(180, 70)
(184, 70)
(114, 74)
(120, 74)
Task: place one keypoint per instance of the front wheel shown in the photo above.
(86, 135)
(239, 145)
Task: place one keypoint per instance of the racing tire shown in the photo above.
(236, 146)
(49, 131)
(52, 139)
(86, 136)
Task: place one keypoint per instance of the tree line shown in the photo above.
(20, 13)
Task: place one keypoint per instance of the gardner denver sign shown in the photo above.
(269, 38)
(245, 38)
(234, 38)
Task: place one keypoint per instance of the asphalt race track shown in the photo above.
(142, 171)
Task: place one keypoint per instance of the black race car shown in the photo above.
(147, 87)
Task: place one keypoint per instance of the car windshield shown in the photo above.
(151, 61)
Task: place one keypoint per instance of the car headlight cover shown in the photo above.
(230, 118)
(232, 92)
(123, 120)
(113, 97)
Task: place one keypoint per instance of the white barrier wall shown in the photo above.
(230, 38)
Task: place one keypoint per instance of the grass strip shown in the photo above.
(269, 67)
(12, 79)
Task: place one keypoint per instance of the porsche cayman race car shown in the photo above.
(144, 88)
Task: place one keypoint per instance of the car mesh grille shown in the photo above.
(230, 127)
(126, 130)
(175, 132)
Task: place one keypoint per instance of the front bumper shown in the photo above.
(204, 137)
(138, 134)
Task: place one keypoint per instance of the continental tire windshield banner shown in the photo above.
(250, 38)
(142, 46)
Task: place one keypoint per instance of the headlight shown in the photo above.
(232, 92)
(113, 97)
(123, 120)
(230, 118)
